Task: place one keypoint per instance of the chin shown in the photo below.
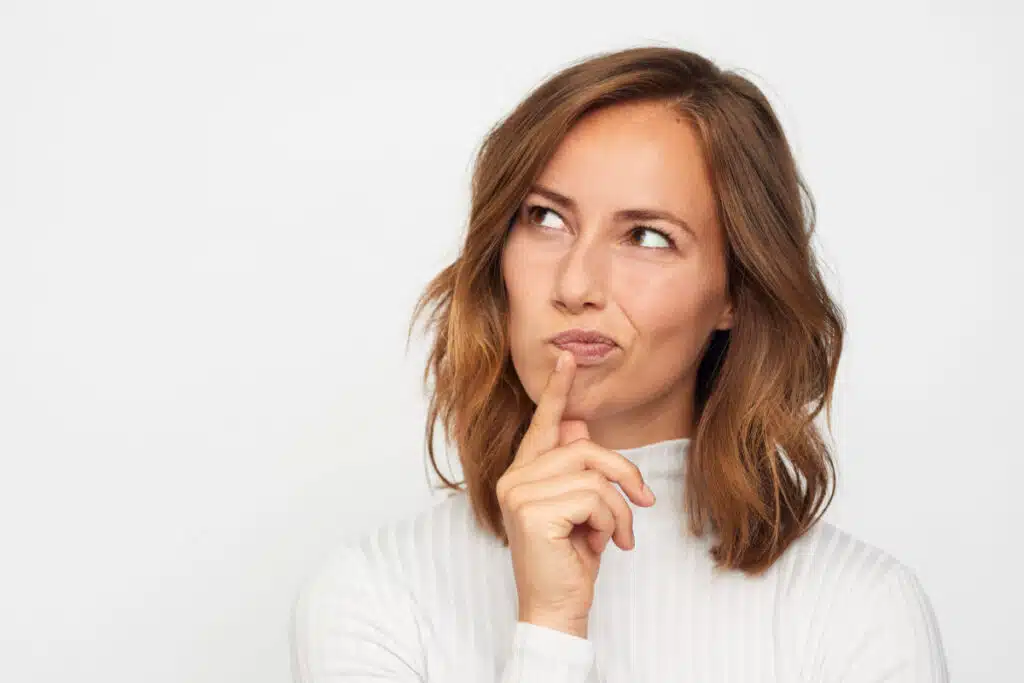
(590, 410)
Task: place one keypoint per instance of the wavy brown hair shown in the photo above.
(758, 473)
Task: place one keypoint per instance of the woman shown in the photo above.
(639, 217)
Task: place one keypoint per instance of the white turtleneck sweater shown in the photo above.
(433, 598)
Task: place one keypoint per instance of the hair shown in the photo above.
(758, 473)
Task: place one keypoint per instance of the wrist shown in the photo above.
(574, 626)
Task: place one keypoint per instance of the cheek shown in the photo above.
(655, 303)
(523, 272)
(669, 329)
(514, 267)
(524, 296)
(670, 314)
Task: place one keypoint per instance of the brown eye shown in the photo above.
(535, 209)
(664, 236)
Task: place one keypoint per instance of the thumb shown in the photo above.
(570, 430)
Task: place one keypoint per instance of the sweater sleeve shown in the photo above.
(896, 638)
(351, 625)
(546, 654)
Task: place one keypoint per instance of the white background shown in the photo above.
(215, 218)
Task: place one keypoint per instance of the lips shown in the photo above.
(578, 336)
(588, 346)
(590, 351)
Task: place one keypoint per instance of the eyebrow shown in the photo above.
(622, 214)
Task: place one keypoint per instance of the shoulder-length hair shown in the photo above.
(758, 474)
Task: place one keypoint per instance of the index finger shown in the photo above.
(542, 434)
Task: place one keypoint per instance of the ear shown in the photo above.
(725, 321)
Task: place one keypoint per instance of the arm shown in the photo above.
(350, 626)
(896, 639)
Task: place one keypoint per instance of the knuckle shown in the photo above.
(502, 487)
(619, 505)
(632, 469)
(615, 494)
(595, 479)
(514, 499)
(606, 523)
(627, 514)
(629, 472)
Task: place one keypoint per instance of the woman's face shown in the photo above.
(655, 286)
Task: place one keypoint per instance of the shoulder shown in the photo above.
(835, 560)
(870, 609)
(831, 564)
(389, 564)
(444, 530)
(384, 553)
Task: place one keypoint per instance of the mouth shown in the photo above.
(588, 347)
(587, 354)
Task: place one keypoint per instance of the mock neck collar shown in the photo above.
(661, 459)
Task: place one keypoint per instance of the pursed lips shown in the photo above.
(587, 346)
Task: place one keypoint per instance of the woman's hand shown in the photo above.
(560, 509)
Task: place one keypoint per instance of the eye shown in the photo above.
(530, 210)
(533, 209)
(670, 243)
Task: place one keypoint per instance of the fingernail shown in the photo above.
(560, 362)
(648, 492)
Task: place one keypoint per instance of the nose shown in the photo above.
(581, 278)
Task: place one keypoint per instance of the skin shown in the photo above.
(581, 267)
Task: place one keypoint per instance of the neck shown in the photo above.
(660, 460)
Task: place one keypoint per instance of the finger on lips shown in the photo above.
(543, 431)
(557, 464)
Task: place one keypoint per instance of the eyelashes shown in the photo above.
(528, 210)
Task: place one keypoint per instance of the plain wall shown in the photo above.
(215, 218)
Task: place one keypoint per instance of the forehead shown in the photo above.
(633, 155)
